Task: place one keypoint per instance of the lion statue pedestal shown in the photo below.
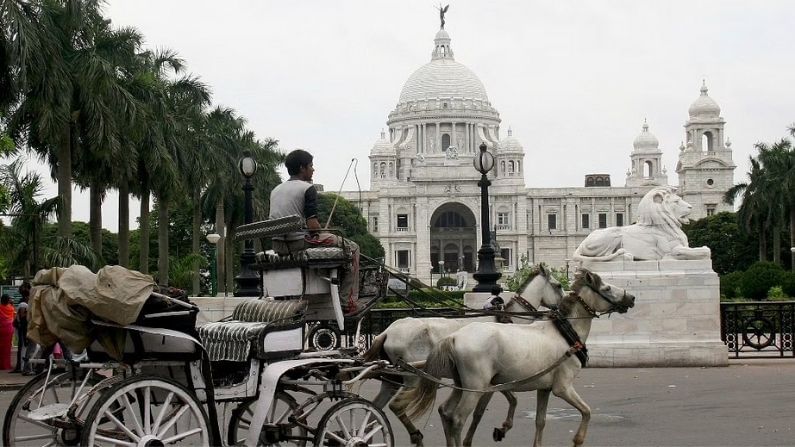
(676, 319)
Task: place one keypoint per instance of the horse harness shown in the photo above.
(570, 335)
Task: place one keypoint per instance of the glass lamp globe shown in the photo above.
(483, 161)
(247, 165)
(213, 238)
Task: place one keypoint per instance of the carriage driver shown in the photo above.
(298, 196)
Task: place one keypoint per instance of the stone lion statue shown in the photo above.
(657, 234)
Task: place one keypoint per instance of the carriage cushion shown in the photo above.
(266, 326)
(237, 341)
(266, 310)
(309, 257)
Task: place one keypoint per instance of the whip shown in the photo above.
(336, 199)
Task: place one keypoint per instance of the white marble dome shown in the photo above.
(704, 106)
(383, 146)
(646, 139)
(443, 78)
(510, 144)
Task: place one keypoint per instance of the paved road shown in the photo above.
(748, 404)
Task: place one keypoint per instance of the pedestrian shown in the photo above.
(495, 301)
(22, 328)
(7, 313)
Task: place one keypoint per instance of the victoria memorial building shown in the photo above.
(424, 203)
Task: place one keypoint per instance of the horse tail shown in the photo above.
(376, 351)
(440, 363)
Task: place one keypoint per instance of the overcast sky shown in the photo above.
(573, 79)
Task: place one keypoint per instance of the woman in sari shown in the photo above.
(6, 331)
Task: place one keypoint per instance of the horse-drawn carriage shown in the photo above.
(258, 377)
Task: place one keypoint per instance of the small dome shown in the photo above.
(704, 106)
(646, 139)
(383, 146)
(510, 144)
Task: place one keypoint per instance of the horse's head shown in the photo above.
(542, 289)
(600, 296)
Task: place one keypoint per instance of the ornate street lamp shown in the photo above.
(487, 275)
(248, 281)
(213, 239)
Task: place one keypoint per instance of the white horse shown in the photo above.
(411, 340)
(521, 358)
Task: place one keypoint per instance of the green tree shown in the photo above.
(732, 248)
(22, 240)
(349, 220)
(66, 101)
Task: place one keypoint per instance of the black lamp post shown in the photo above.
(248, 281)
(487, 275)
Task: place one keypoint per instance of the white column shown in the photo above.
(438, 137)
(423, 252)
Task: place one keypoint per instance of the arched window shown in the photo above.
(518, 166)
(707, 142)
(383, 170)
(391, 170)
(445, 141)
(375, 169)
(648, 169)
(510, 167)
(502, 167)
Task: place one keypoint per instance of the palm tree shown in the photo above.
(151, 158)
(67, 97)
(22, 240)
(752, 212)
(778, 160)
(187, 98)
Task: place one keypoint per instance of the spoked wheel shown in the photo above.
(285, 435)
(354, 422)
(31, 417)
(146, 411)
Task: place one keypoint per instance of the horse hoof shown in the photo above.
(498, 434)
(416, 438)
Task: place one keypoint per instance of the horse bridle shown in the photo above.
(522, 302)
(616, 307)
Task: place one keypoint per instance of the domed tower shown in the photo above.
(442, 117)
(509, 159)
(646, 157)
(383, 161)
(705, 167)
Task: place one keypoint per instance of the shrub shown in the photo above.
(446, 281)
(788, 284)
(730, 284)
(759, 278)
(776, 294)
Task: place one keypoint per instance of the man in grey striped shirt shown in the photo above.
(298, 196)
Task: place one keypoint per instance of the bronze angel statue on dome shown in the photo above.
(442, 11)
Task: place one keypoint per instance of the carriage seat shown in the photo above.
(263, 329)
(314, 257)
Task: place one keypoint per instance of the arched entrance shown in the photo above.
(453, 238)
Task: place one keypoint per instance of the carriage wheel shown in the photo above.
(281, 409)
(26, 422)
(324, 337)
(354, 422)
(146, 410)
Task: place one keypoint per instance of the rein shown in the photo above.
(506, 386)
